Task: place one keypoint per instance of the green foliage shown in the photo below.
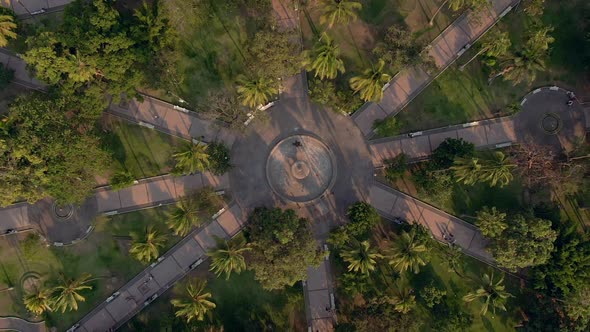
(50, 150)
(121, 179)
(449, 316)
(38, 300)
(361, 258)
(207, 200)
(491, 222)
(437, 184)
(451, 148)
(273, 53)
(6, 76)
(399, 49)
(534, 8)
(491, 292)
(369, 85)
(432, 295)
(30, 245)
(324, 58)
(495, 169)
(363, 217)
(328, 95)
(256, 91)
(526, 242)
(184, 216)
(7, 29)
(354, 283)
(67, 294)
(219, 162)
(396, 168)
(386, 127)
(228, 257)
(339, 11)
(408, 252)
(191, 158)
(282, 247)
(146, 246)
(196, 303)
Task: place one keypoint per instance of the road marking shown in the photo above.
(522, 102)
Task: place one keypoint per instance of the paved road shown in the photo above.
(394, 204)
(445, 49)
(24, 8)
(159, 276)
(21, 325)
(496, 133)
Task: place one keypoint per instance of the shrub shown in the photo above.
(219, 162)
(396, 167)
(207, 200)
(6, 76)
(451, 148)
(121, 179)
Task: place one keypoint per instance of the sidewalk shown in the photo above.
(21, 325)
(445, 49)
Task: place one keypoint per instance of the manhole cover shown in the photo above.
(300, 168)
(551, 123)
(63, 212)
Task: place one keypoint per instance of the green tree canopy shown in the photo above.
(7, 29)
(50, 150)
(370, 83)
(191, 158)
(282, 247)
(400, 49)
(361, 258)
(339, 11)
(146, 246)
(195, 303)
(408, 252)
(274, 54)
(444, 155)
(528, 241)
(184, 216)
(492, 293)
(228, 256)
(38, 300)
(363, 217)
(491, 222)
(495, 169)
(258, 91)
(67, 294)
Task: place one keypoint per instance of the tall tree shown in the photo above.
(7, 27)
(184, 217)
(360, 257)
(146, 247)
(492, 293)
(407, 252)
(339, 11)
(491, 222)
(282, 247)
(370, 83)
(273, 53)
(196, 303)
(495, 169)
(323, 58)
(67, 295)
(494, 44)
(450, 149)
(257, 91)
(228, 257)
(527, 241)
(403, 299)
(191, 158)
(400, 48)
(455, 5)
(38, 300)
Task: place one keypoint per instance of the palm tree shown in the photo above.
(7, 27)
(191, 158)
(39, 300)
(147, 247)
(256, 92)
(184, 217)
(196, 304)
(495, 170)
(495, 44)
(407, 253)
(455, 5)
(370, 83)
(491, 222)
(339, 11)
(360, 257)
(491, 292)
(323, 58)
(228, 257)
(68, 295)
(403, 299)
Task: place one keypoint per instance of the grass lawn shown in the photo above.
(142, 152)
(463, 96)
(242, 305)
(103, 254)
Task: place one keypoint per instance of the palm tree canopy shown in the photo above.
(7, 27)
(407, 253)
(192, 158)
(38, 301)
(147, 247)
(370, 83)
(67, 294)
(228, 257)
(195, 304)
(360, 257)
(492, 292)
(184, 217)
(491, 222)
(339, 11)
(256, 92)
(323, 58)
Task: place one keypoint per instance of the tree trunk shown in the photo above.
(436, 13)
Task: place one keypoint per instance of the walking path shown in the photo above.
(445, 49)
(162, 274)
(393, 204)
(21, 325)
(538, 107)
(24, 8)
(320, 306)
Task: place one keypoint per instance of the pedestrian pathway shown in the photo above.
(444, 49)
(393, 204)
(320, 306)
(24, 8)
(158, 277)
(21, 325)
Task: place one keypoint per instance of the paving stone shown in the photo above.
(206, 237)
(188, 253)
